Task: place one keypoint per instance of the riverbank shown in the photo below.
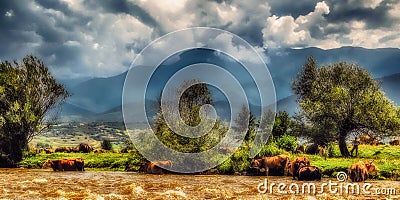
(386, 157)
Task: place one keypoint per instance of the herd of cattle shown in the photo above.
(301, 169)
(81, 148)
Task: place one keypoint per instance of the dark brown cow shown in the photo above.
(277, 163)
(290, 165)
(65, 164)
(306, 173)
(49, 151)
(360, 171)
(143, 167)
(84, 148)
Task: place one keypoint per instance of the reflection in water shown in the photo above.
(34, 184)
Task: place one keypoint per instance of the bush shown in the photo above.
(270, 150)
(106, 145)
(333, 151)
(287, 142)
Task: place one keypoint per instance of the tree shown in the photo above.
(29, 98)
(190, 103)
(281, 124)
(106, 145)
(342, 98)
(246, 120)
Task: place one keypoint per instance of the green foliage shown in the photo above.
(341, 98)
(333, 151)
(287, 142)
(281, 124)
(29, 95)
(190, 103)
(106, 145)
(270, 149)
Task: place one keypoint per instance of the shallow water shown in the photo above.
(46, 184)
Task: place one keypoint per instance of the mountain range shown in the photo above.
(99, 99)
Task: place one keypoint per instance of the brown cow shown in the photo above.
(155, 167)
(49, 151)
(360, 171)
(65, 164)
(99, 151)
(278, 163)
(63, 149)
(308, 173)
(85, 148)
(290, 165)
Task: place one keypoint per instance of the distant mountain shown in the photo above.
(390, 85)
(99, 94)
(99, 99)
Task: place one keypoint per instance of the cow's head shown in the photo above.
(256, 163)
(47, 164)
(371, 167)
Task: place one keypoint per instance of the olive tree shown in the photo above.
(342, 98)
(29, 96)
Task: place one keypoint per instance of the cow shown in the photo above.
(99, 151)
(360, 171)
(155, 167)
(308, 173)
(143, 167)
(290, 165)
(85, 148)
(76, 164)
(394, 142)
(63, 149)
(277, 163)
(49, 151)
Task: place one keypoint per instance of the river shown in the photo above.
(46, 184)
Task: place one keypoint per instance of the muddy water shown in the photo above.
(46, 184)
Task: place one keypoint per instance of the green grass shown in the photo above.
(99, 161)
(386, 157)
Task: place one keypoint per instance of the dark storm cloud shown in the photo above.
(42, 34)
(127, 7)
(346, 11)
(292, 8)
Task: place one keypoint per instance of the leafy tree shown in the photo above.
(190, 103)
(106, 145)
(246, 120)
(281, 124)
(29, 96)
(342, 98)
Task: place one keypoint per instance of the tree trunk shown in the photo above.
(342, 144)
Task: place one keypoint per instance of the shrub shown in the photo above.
(287, 142)
(270, 150)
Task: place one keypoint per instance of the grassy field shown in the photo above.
(386, 157)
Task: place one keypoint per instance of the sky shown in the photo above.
(89, 38)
